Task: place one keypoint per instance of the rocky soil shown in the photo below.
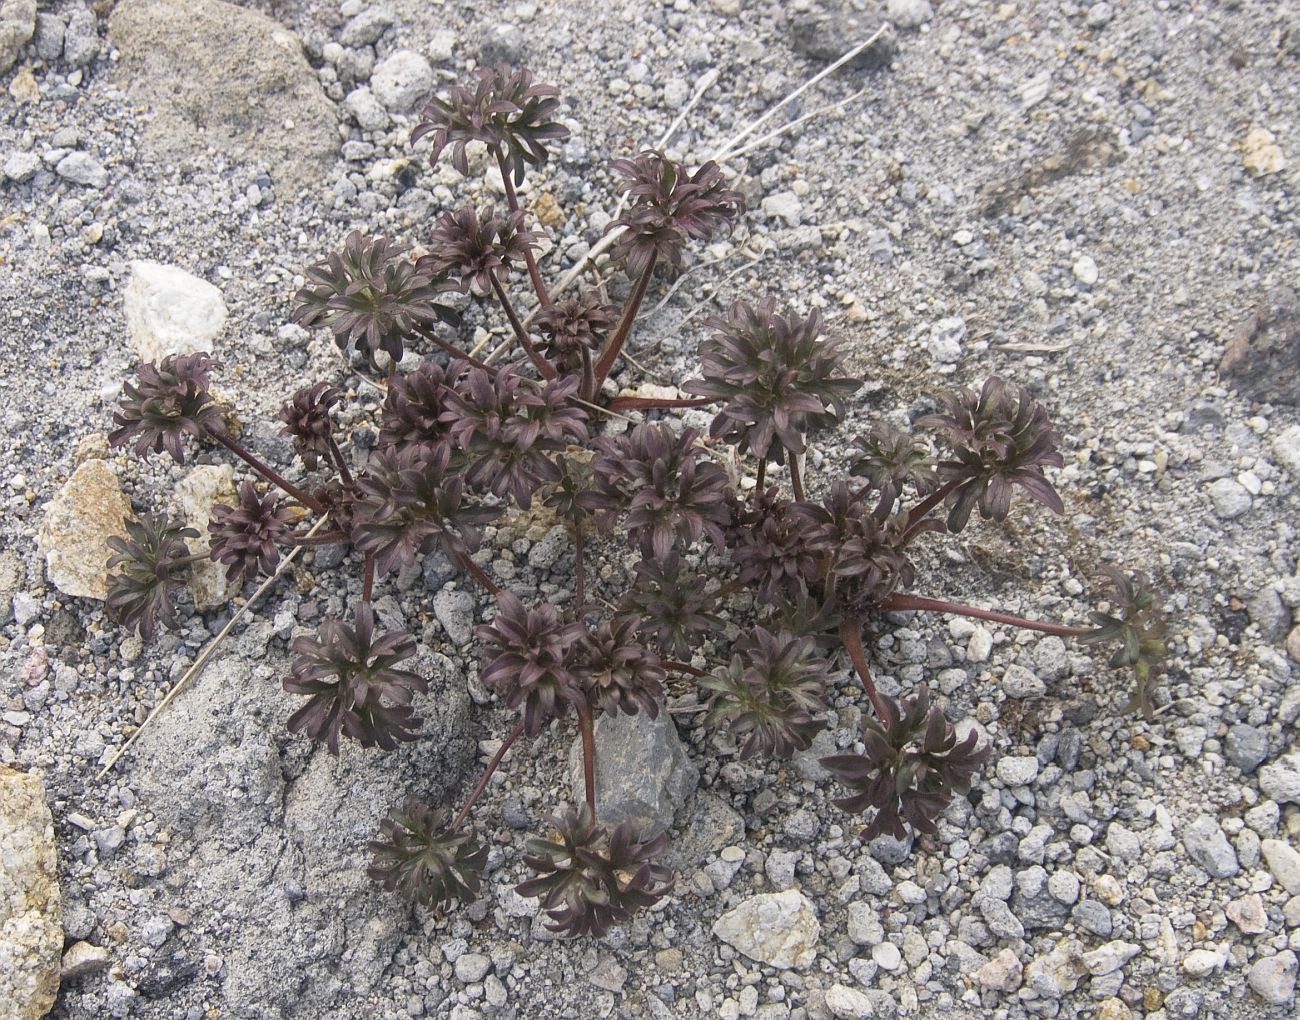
(1095, 200)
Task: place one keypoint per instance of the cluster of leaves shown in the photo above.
(462, 440)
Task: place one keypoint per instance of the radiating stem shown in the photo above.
(762, 477)
(456, 352)
(512, 200)
(476, 572)
(796, 482)
(579, 569)
(903, 603)
(587, 387)
(922, 509)
(477, 792)
(851, 636)
(368, 585)
(657, 403)
(344, 473)
(682, 667)
(265, 470)
(615, 346)
(588, 759)
(521, 334)
(328, 538)
(730, 588)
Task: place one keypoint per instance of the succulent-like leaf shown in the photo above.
(167, 401)
(412, 500)
(1136, 624)
(660, 479)
(354, 686)
(413, 409)
(668, 207)
(672, 603)
(369, 295)
(912, 767)
(149, 567)
(589, 880)
(244, 536)
(306, 417)
(778, 554)
(999, 440)
(419, 857)
(621, 674)
(573, 325)
(778, 378)
(891, 459)
(771, 693)
(510, 428)
(504, 110)
(476, 248)
(531, 663)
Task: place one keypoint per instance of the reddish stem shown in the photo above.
(656, 403)
(796, 482)
(615, 346)
(542, 364)
(851, 636)
(904, 603)
(265, 470)
(682, 667)
(730, 588)
(579, 568)
(588, 759)
(512, 200)
(477, 792)
(476, 572)
(455, 352)
(339, 462)
(368, 585)
(922, 509)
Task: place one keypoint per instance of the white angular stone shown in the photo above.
(847, 1003)
(779, 929)
(1109, 957)
(81, 518)
(402, 80)
(196, 493)
(1283, 861)
(1273, 979)
(1201, 963)
(31, 927)
(170, 311)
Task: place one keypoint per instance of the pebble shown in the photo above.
(81, 38)
(82, 958)
(402, 80)
(1209, 848)
(1247, 913)
(1283, 862)
(82, 168)
(1280, 780)
(1286, 448)
(454, 609)
(1099, 14)
(779, 929)
(21, 166)
(49, 37)
(909, 14)
(1229, 498)
(1109, 957)
(1002, 973)
(171, 311)
(784, 205)
(1273, 979)
(362, 106)
(472, 967)
(780, 868)
(1085, 270)
(946, 338)
(1017, 770)
(1246, 747)
(847, 1003)
(887, 956)
(980, 645)
(1019, 682)
(1201, 963)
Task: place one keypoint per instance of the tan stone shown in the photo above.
(31, 925)
(195, 494)
(83, 515)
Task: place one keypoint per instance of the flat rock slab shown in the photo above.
(220, 76)
(779, 929)
(81, 518)
(31, 926)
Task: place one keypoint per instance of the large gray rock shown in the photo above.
(86, 512)
(17, 25)
(642, 772)
(779, 929)
(1208, 847)
(1280, 780)
(170, 311)
(220, 76)
(1273, 979)
(31, 931)
(269, 831)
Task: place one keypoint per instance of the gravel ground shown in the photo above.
(1092, 200)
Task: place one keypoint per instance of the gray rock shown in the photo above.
(1001, 921)
(946, 338)
(824, 35)
(784, 205)
(365, 109)
(1057, 973)
(402, 80)
(1283, 862)
(864, 925)
(1099, 14)
(1273, 979)
(643, 774)
(1019, 682)
(49, 37)
(1286, 448)
(1123, 842)
(1268, 612)
(1229, 498)
(205, 69)
(81, 38)
(847, 1003)
(1093, 917)
(454, 609)
(17, 26)
(1110, 957)
(21, 166)
(1260, 357)
(907, 14)
(31, 935)
(81, 959)
(1209, 848)
(780, 868)
(1246, 747)
(1017, 770)
(472, 967)
(1280, 780)
(779, 929)
(245, 803)
(366, 27)
(82, 168)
